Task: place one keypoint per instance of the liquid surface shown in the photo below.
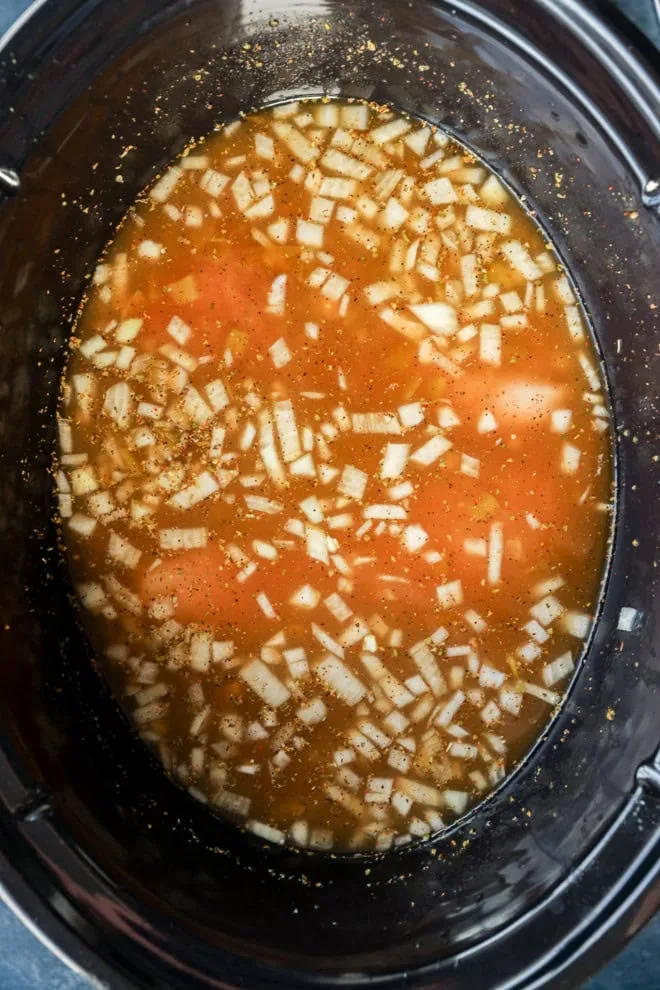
(334, 475)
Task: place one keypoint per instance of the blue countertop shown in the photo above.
(26, 965)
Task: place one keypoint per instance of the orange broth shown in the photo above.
(334, 475)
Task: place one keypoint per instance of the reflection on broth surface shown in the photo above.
(334, 473)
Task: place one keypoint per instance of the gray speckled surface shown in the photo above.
(26, 965)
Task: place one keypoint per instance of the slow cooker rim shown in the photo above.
(42, 920)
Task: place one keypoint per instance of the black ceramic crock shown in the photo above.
(120, 870)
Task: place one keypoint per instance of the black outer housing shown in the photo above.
(113, 865)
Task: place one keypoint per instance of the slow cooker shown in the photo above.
(122, 872)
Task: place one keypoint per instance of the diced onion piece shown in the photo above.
(529, 652)
(258, 503)
(450, 595)
(312, 712)
(414, 538)
(305, 597)
(335, 287)
(339, 680)
(495, 553)
(430, 451)
(456, 801)
(428, 667)
(547, 610)
(200, 650)
(316, 543)
(264, 603)
(337, 607)
(493, 192)
(122, 551)
(280, 353)
(447, 713)
(628, 619)
(339, 161)
(439, 317)
(242, 192)
(486, 422)
(82, 525)
(321, 209)
(179, 357)
(285, 423)
(418, 792)
(440, 191)
(558, 669)
(470, 466)
(389, 132)
(295, 141)
(550, 697)
(303, 467)
(560, 420)
(411, 414)
(277, 296)
(191, 538)
(309, 234)
(375, 422)
(213, 182)
(394, 460)
(83, 480)
(490, 220)
(164, 187)
(570, 458)
(264, 683)
(353, 482)
(490, 344)
(278, 231)
(410, 329)
(519, 258)
(393, 216)
(202, 487)
(122, 595)
(418, 140)
(384, 512)
(576, 624)
(574, 322)
(118, 403)
(313, 509)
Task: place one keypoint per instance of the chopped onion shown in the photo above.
(440, 191)
(519, 258)
(558, 669)
(490, 220)
(570, 458)
(258, 503)
(264, 683)
(203, 486)
(394, 460)
(450, 594)
(560, 420)
(576, 624)
(439, 317)
(430, 451)
(280, 353)
(486, 422)
(339, 680)
(414, 538)
(550, 697)
(192, 538)
(547, 610)
(305, 597)
(164, 187)
(277, 296)
(265, 605)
